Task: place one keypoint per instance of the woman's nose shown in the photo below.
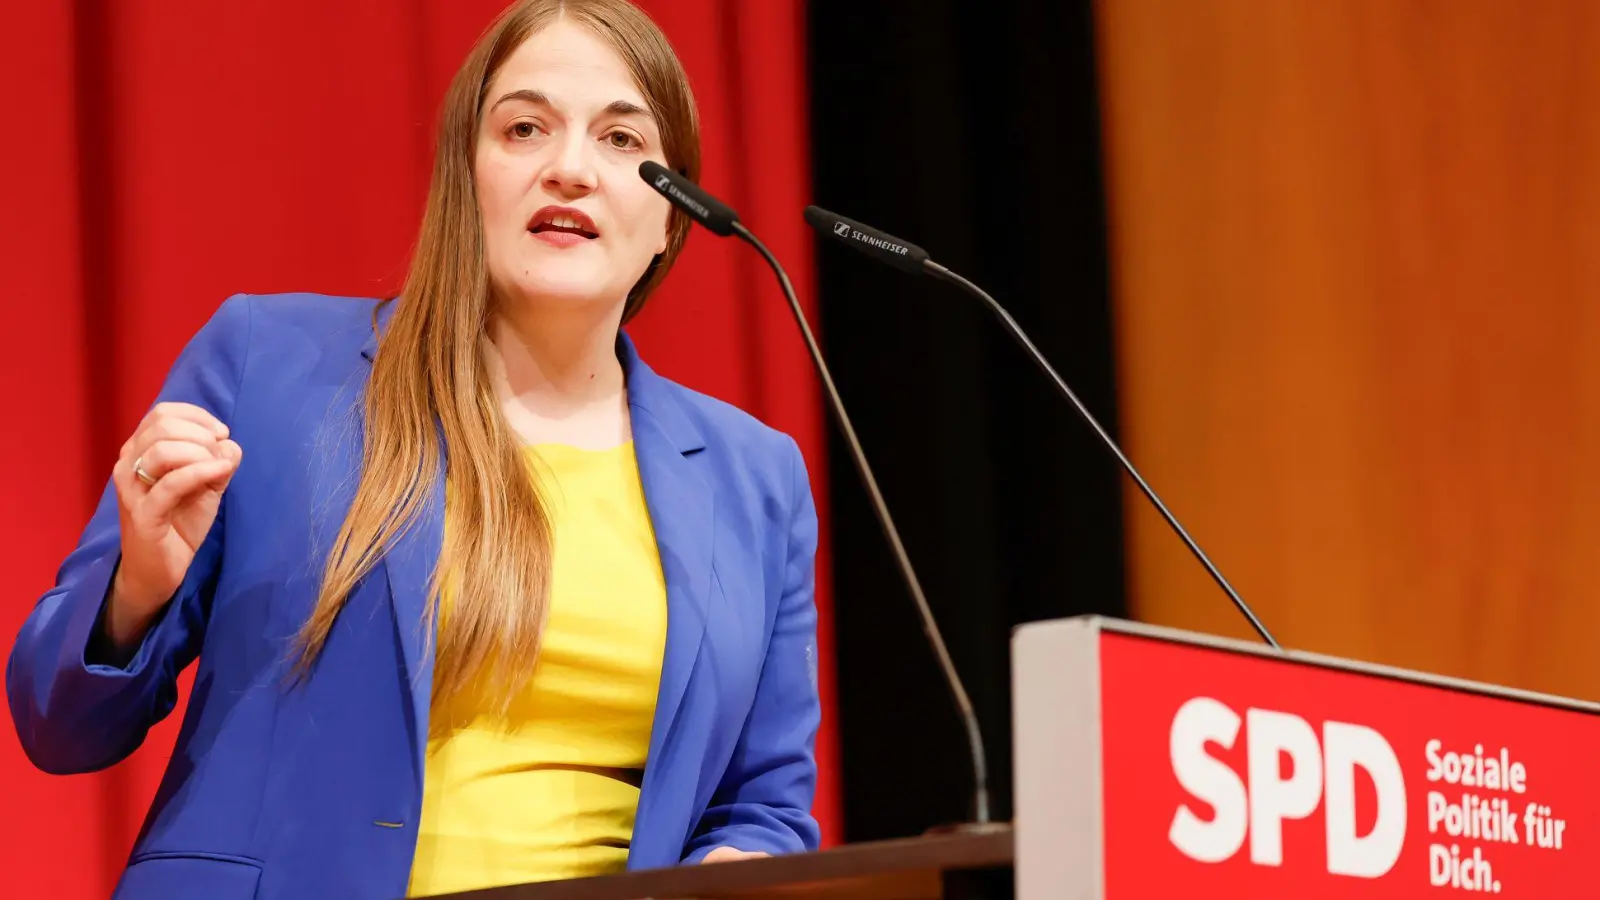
(572, 171)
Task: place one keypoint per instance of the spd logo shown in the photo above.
(1321, 774)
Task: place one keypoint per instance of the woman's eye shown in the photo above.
(523, 129)
(622, 140)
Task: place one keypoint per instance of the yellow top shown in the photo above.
(552, 792)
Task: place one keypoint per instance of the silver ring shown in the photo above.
(141, 474)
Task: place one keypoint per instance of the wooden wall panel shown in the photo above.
(1356, 262)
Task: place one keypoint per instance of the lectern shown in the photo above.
(1150, 762)
(961, 867)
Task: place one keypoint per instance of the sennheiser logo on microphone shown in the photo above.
(664, 183)
(842, 229)
(871, 241)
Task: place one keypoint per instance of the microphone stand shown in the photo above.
(720, 219)
(930, 626)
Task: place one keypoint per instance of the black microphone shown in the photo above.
(911, 258)
(690, 197)
(722, 220)
(870, 241)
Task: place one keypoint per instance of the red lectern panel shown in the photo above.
(1217, 769)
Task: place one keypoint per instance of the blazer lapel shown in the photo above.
(682, 513)
(408, 566)
(682, 508)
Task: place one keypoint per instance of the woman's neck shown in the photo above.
(558, 377)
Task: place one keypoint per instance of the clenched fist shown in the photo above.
(169, 480)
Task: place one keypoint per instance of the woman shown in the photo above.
(476, 597)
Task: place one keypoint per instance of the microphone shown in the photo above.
(722, 220)
(692, 199)
(911, 258)
(900, 254)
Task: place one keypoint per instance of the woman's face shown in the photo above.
(566, 218)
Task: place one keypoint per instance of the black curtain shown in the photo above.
(971, 129)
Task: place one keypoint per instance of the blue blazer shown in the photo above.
(314, 791)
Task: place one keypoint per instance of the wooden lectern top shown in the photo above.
(931, 867)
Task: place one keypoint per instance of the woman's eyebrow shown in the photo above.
(540, 98)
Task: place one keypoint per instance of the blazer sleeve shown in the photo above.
(764, 799)
(72, 712)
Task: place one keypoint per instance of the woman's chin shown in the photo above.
(566, 295)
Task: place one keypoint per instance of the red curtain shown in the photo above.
(166, 154)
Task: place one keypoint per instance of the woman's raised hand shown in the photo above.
(169, 480)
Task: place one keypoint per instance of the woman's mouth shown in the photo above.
(563, 226)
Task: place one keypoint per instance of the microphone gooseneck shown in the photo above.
(909, 257)
(693, 201)
(1021, 337)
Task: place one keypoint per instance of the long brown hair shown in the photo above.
(429, 373)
